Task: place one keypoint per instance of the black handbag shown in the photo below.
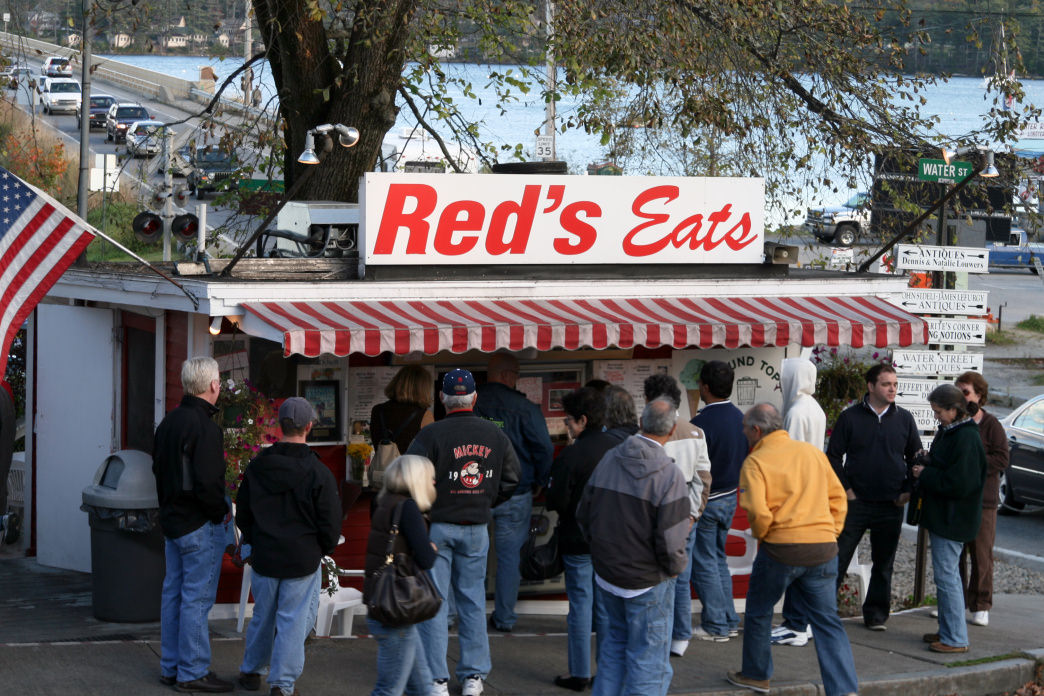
(402, 594)
(541, 562)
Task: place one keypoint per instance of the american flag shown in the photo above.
(39, 239)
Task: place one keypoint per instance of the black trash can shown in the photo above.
(127, 562)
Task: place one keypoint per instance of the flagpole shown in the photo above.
(161, 274)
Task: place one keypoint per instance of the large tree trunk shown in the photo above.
(314, 89)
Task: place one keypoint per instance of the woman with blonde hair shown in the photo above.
(407, 410)
(409, 483)
(978, 581)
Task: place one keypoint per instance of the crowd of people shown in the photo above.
(644, 505)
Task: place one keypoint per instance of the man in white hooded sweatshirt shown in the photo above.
(804, 420)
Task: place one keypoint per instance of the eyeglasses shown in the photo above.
(967, 391)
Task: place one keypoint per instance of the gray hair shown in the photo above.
(458, 402)
(947, 396)
(765, 417)
(197, 373)
(658, 416)
(412, 475)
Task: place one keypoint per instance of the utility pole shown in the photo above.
(85, 113)
(167, 216)
(551, 80)
(248, 43)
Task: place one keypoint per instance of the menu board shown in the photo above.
(366, 390)
(631, 374)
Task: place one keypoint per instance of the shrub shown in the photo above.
(840, 380)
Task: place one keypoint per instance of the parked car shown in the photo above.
(145, 138)
(211, 168)
(99, 108)
(1019, 252)
(12, 76)
(840, 224)
(119, 118)
(56, 66)
(60, 94)
(1023, 483)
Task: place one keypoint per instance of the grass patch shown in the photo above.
(1000, 338)
(1037, 380)
(1032, 323)
(115, 221)
(987, 660)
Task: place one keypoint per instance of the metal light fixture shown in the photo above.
(215, 326)
(309, 156)
(989, 171)
(347, 136)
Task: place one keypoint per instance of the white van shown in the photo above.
(60, 94)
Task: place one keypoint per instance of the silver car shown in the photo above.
(1022, 485)
(145, 138)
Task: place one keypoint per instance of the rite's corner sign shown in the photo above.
(939, 170)
(482, 219)
(919, 257)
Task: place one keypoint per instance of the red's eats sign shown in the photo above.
(501, 219)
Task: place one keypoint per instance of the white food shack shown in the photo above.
(581, 277)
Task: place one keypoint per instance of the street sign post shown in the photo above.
(964, 302)
(918, 257)
(545, 146)
(921, 362)
(915, 391)
(924, 417)
(966, 331)
(938, 170)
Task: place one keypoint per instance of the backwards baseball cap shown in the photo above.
(458, 383)
(298, 411)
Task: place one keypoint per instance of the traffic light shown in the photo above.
(185, 227)
(147, 226)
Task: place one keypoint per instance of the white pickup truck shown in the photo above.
(840, 224)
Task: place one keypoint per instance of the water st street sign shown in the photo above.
(968, 331)
(918, 257)
(939, 170)
(926, 362)
(965, 302)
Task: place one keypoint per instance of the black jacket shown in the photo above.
(870, 454)
(189, 465)
(952, 483)
(569, 474)
(475, 467)
(288, 511)
(391, 416)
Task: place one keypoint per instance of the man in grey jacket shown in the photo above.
(635, 514)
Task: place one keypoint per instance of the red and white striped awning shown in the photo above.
(372, 327)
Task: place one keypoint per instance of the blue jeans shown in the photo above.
(682, 629)
(189, 588)
(580, 589)
(710, 568)
(511, 529)
(945, 556)
(401, 664)
(461, 569)
(818, 596)
(634, 658)
(284, 613)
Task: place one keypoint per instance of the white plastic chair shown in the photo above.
(862, 572)
(342, 605)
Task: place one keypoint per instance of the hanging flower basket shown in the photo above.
(246, 417)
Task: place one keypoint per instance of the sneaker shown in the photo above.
(497, 627)
(440, 687)
(250, 681)
(789, 637)
(980, 618)
(701, 634)
(934, 613)
(877, 627)
(678, 647)
(472, 686)
(207, 684)
(930, 637)
(574, 683)
(733, 633)
(168, 681)
(941, 647)
(759, 685)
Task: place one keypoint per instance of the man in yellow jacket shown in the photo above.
(796, 508)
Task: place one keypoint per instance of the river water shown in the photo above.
(960, 105)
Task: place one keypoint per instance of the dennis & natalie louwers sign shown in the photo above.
(526, 219)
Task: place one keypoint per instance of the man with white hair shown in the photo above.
(189, 465)
(475, 469)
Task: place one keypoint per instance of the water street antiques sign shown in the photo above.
(921, 362)
(967, 331)
(481, 219)
(967, 302)
(938, 170)
(917, 257)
